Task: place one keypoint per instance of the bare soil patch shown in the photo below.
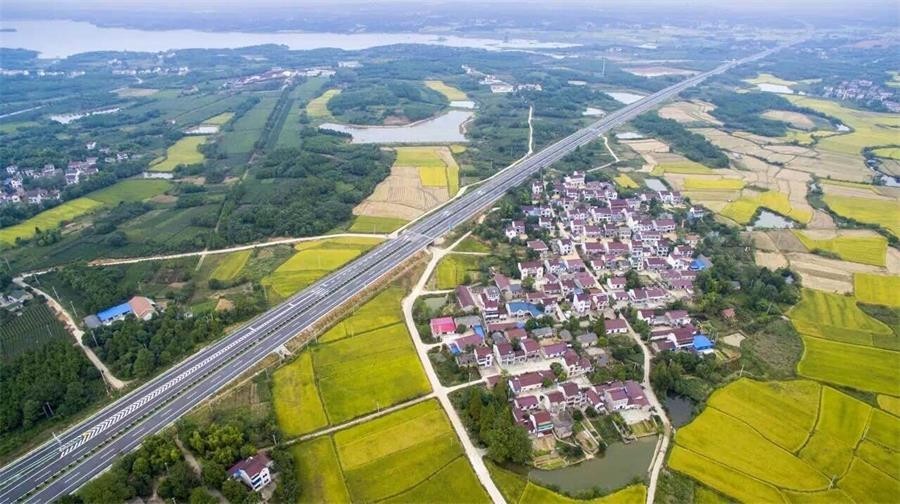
(771, 260)
(795, 119)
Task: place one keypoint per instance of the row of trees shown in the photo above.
(490, 422)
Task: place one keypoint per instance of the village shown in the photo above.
(603, 271)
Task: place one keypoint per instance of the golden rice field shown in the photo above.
(317, 108)
(793, 441)
(712, 184)
(888, 152)
(436, 166)
(518, 490)
(183, 152)
(856, 366)
(313, 260)
(836, 317)
(625, 181)
(859, 249)
(125, 190)
(411, 455)
(870, 129)
(743, 209)
(450, 92)
(229, 267)
(877, 289)
(381, 311)
(684, 167)
(883, 212)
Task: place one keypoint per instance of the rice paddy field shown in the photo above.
(623, 180)
(35, 326)
(183, 152)
(229, 267)
(794, 441)
(313, 260)
(883, 212)
(836, 317)
(870, 129)
(856, 366)
(743, 209)
(436, 166)
(373, 224)
(454, 269)
(888, 152)
(713, 184)
(411, 455)
(298, 408)
(318, 107)
(247, 129)
(685, 168)
(126, 190)
(516, 489)
(868, 248)
(450, 92)
(380, 312)
(220, 119)
(877, 289)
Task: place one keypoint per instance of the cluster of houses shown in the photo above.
(497, 85)
(585, 243)
(863, 90)
(13, 185)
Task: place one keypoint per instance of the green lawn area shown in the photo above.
(183, 152)
(455, 269)
(363, 373)
(370, 224)
(313, 260)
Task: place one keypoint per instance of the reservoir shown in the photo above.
(616, 469)
(441, 129)
(59, 39)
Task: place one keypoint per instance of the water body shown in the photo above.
(441, 129)
(59, 39)
(769, 220)
(593, 112)
(621, 464)
(775, 88)
(623, 97)
(655, 184)
(67, 118)
(463, 104)
(679, 409)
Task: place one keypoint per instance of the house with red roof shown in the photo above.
(442, 325)
(253, 471)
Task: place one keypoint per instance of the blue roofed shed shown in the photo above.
(702, 343)
(114, 313)
(521, 308)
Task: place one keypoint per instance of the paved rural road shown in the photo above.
(63, 464)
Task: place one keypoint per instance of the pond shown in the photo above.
(616, 469)
(679, 409)
(655, 184)
(624, 97)
(593, 112)
(441, 129)
(774, 88)
(74, 37)
(769, 220)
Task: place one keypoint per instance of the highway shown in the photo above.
(61, 465)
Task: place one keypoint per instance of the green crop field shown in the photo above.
(371, 224)
(889, 404)
(472, 244)
(888, 152)
(869, 128)
(318, 107)
(865, 483)
(379, 312)
(296, 402)
(842, 421)
(452, 93)
(313, 260)
(247, 129)
(453, 270)
(130, 190)
(36, 326)
(183, 152)
(435, 169)
(783, 412)
(319, 472)
(48, 219)
(836, 317)
(220, 119)
(385, 359)
(877, 289)
(410, 455)
(231, 265)
(289, 136)
(856, 366)
(860, 249)
(625, 181)
(712, 184)
(883, 212)
(732, 483)
(743, 209)
(422, 157)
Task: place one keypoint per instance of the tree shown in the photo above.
(599, 327)
(508, 442)
(235, 491)
(201, 496)
(143, 363)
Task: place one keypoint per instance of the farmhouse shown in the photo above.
(253, 471)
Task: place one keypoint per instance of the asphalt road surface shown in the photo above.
(69, 460)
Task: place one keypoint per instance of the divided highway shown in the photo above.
(63, 464)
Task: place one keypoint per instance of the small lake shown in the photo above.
(655, 184)
(621, 464)
(441, 129)
(775, 88)
(769, 220)
(623, 97)
(60, 38)
(463, 104)
(67, 118)
(679, 409)
(593, 112)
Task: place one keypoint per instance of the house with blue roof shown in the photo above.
(702, 344)
(138, 306)
(521, 309)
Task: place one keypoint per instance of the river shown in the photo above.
(60, 38)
